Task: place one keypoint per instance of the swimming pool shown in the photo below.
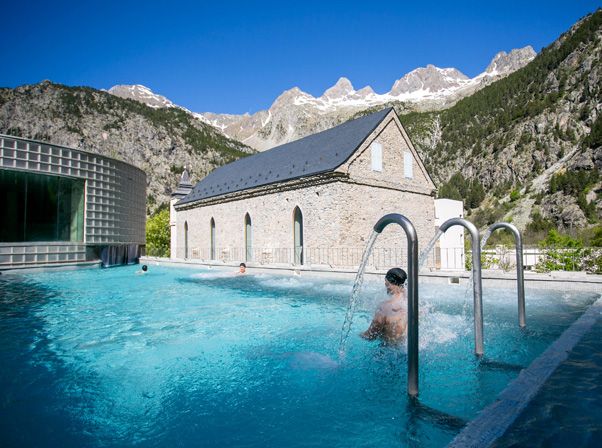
(179, 357)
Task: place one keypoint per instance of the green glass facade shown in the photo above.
(39, 207)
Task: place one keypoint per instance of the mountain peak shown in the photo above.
(342, 88)
(141, 93)
(290, 96)
(505, 63)
(429, 78)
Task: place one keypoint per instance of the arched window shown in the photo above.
(185, 239)
(298, 236)
(248, 239)
(212, 239)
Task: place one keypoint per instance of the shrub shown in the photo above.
(564, 253)
(158, 234)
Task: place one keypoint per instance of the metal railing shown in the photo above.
(452, 259)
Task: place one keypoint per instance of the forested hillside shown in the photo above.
(527, 147)
(161, 141)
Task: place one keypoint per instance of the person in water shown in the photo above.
(391, 318)
(143, 271)
(242, 269)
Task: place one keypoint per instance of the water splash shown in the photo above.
(486, 236)
(424, 255)
(467, 295)
(470, 285)
(359, 280)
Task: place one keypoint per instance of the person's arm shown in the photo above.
(375, 329)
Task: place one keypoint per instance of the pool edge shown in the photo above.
(494, 420)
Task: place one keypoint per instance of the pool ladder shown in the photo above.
(412, 240)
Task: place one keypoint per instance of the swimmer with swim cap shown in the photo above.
(391, 318)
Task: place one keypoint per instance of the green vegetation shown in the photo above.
(176, 169)
(461, 189)
(577, 184)
(488, 123)
(538, 228)
(596, 239)
(157, 234)
(488, 214)
(594, 139)
(566, 253)
(77, 101)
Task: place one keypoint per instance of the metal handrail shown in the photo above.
(408, 227)
(520, 276)
(476, 278)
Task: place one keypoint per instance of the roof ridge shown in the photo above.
(313, 154)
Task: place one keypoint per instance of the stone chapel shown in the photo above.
(310, 201)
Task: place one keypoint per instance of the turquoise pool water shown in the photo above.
(180, 357)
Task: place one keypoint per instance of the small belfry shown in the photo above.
(183, 189)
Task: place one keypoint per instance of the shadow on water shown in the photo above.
(500, 366)
(417, 410)
(29, 371)
(18, 295)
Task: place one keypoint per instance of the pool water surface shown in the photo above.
(181, 357)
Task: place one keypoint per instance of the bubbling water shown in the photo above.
(357, 285)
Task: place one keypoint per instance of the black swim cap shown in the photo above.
(396, 276)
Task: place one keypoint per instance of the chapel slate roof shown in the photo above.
(314, 154)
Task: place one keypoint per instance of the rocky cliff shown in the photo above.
(521, 134)
(161, 140)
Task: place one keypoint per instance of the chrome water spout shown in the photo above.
(520, 275)
(476, 278)
(408, 227)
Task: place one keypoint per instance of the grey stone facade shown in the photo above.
(115, 195)
(339, 209)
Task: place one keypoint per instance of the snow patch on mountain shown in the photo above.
(141, 93)
(295, 113)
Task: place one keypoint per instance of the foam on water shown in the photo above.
(212, 275)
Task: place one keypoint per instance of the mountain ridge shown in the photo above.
(295, 113)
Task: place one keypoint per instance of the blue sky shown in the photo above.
(237, 57)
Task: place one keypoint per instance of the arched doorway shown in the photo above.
(212, 239)
(186, 239)
(248, 238)
(298, 236)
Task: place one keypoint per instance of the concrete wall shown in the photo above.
(451, 243)
(115, 197)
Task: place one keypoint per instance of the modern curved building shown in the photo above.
(63, 206)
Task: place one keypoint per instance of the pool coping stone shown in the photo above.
(494, 420)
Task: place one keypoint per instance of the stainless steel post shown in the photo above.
(476, 278)
(520, 274)
(412, 238)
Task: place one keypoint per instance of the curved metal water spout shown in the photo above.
(410, 231)
(476, 277)
(520, 276)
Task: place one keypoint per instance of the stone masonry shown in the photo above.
(339, 210)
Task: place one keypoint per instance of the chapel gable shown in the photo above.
(387, 157)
